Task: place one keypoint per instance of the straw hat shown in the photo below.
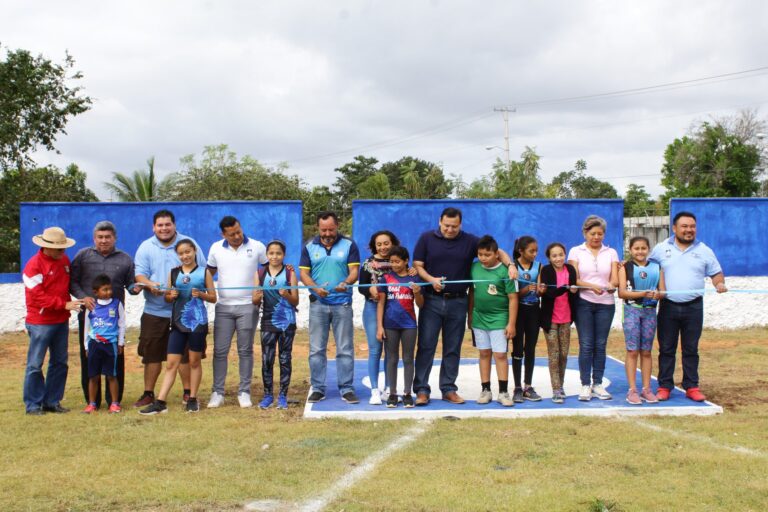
(53, 238)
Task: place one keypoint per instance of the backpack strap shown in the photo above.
(175, 275)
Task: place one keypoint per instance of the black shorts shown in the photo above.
(102, 359)
(179, 342)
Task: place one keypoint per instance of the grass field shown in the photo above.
(224, 459)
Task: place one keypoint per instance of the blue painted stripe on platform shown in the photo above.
(614, 371)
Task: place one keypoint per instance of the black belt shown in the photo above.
(688, 303)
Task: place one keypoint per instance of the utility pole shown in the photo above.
(505, 113)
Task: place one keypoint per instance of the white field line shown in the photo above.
(741, 450)
(318, 503)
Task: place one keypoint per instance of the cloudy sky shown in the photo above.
(315, 83)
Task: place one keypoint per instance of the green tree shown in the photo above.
(37, 184)
(518, 180)
(139, 187)
(637, 201)
(375, 186)
(413, 178)
(713, 160)
(577, 184)
(350, 176)
(36, 102)
(219, 175)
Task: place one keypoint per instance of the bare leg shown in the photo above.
(195, 372)
(171, 366)
(646, 367)
(485, 365)
(113, 388)
(93, 389)
(631, 368)
(184, 374)
(151, 373)
(502, 366)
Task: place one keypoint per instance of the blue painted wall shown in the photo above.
(504, 219)
(263, 220)
(735, 228)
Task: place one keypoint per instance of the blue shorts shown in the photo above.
(495, 340)
(178, 341)
(102, 359)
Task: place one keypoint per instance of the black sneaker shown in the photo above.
(531, 394)
(35, 412)
(58, 409)
(392, 401)
(193, 405)
(156, 407)
(350, 397)
(517, 396)
(408, 401)
(315, 397)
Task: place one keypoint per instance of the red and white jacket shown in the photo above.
(46, 287)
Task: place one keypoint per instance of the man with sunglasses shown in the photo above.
(236, 258)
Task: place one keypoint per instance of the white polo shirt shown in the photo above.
(236, 268)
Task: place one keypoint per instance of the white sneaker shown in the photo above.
(375, 397)
(216, 400)
(485, 397)
(243, 398)
(598, 391)
(586, 393)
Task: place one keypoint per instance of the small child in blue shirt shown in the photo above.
(105, 339)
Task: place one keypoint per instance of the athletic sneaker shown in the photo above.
(585, 395)
(216, 400)
(350, 397)
(633, 398)
(517, 396)
(505, 400)
(375, 397)
(558, 396)
(90, 409)
(114, 408)
(245, 400)
(649, 396)
(193, 405)
(485, 397)
(530, 394)
(598, 391)
(695, 394)
(156, 407)
(316, 396)
(408, 401)
(145, 399)
(266, 402)
(282, 401)
(392, 401)
(662, 394)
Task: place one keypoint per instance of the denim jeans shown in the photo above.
(322, 318)
(48, 391)
(241, 319)
(450, 316)
(375, 347)
(593, 323)
(684, 321)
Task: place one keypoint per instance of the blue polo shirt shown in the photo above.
(447, 257)
(330, 266)
(685, 269)
(154, 261)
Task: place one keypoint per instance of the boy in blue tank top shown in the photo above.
(104, 335)
(641, 285)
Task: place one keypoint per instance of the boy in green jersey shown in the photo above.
(492, 316)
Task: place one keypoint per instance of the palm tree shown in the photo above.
(140, 186)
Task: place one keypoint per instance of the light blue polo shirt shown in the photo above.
(685, 269)
(330, 266)
(154, 261)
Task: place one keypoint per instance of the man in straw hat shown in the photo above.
(46, 281)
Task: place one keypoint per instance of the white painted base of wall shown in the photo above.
(721, 311)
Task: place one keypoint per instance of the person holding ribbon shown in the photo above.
(597, 274)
